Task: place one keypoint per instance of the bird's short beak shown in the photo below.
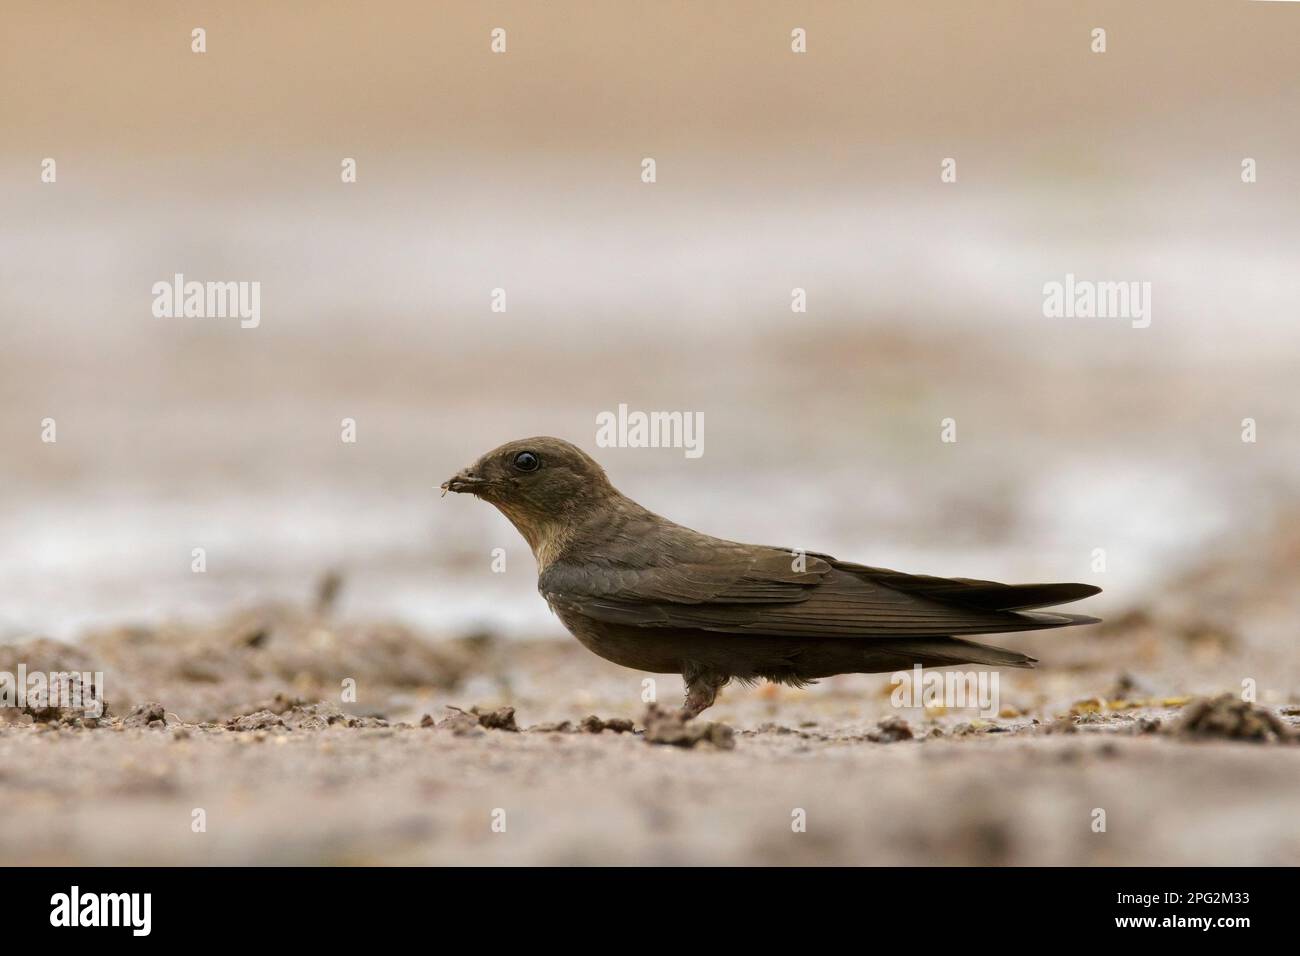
(463, 481)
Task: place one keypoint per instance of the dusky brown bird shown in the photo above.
(649, 594)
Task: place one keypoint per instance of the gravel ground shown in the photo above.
(244, 722)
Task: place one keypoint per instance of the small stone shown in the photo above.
(890, 730)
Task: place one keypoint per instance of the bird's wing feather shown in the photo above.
(714, 585)
(990, 595)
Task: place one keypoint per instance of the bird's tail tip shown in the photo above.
(1056, 619)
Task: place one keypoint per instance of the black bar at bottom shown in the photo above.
(317, 905)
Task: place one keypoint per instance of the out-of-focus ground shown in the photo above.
(446, 740)
(522, 172)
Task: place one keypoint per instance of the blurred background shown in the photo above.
(522, 171)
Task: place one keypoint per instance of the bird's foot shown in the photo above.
(701, 691)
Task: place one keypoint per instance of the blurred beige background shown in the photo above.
(521, 171)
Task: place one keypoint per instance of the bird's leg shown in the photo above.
(701, 690)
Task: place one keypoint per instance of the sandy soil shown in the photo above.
(243, 720)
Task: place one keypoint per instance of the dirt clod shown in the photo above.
(890, 730)
(258, 720)
(1229, 716)
(620, 725)
(503, 718)
(146, 715)
(670, 727)
(461, 723)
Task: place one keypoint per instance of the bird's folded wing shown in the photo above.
(768, 591)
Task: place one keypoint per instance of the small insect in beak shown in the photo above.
(462, 482)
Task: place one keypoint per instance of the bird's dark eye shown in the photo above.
(527, 461)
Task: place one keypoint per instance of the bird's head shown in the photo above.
(541, 484)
